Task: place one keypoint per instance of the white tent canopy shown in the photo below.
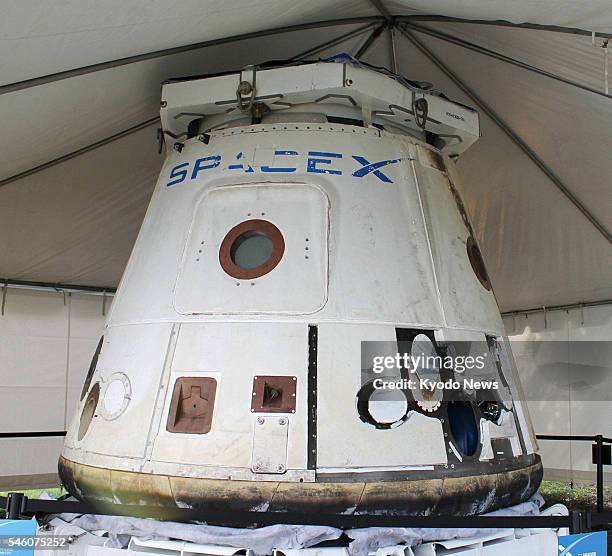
(79, 98)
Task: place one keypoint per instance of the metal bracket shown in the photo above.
(247, 90)
(580, 521)
(420, 109)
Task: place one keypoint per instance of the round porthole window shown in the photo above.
(251, 249)
(477, 263)
(383, 409)
(116, 396)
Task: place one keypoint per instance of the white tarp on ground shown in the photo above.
(264, 540)
(76, 221)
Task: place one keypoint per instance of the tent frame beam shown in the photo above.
(546, 308)
(518, 141)
(392, 50)
(372, 38)
(147, 123)
(333, 42)
(384, 17)
(501, 23)
(79, 152)
(56, 287)
(499, 56)
(76, 72)
(382, 10)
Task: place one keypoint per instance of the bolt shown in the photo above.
(260, 420)
(164, 104)
(280, 468)
(282, 421)
(348, 82)
(245, 88)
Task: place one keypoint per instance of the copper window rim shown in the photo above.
(254, 227)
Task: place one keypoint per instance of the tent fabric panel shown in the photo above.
(33, 352)
(77, 33)
(570, 56)
(74, 33)
(77, 222)
(569, 128)
(539, 249)
(45, 350)
(592, 15)
(544, 347)
(52, 120)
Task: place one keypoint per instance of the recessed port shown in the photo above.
(191, 408)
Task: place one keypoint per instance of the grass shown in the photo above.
(36, 492)
(580, 497)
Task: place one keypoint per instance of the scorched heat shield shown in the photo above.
(306, 225)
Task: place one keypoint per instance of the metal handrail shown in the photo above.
(578, 521)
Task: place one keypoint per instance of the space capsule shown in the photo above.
(306, 227)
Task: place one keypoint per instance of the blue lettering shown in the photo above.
(280, 153)
(177, 173)
(312, 162)
(373, 168)
(198, 166)
(248, 168)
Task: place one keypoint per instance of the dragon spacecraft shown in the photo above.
(305, 214)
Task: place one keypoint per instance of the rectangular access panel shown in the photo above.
(256, 248)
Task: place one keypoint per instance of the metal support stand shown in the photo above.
(580, 522)
(600, 472)
(15, 505)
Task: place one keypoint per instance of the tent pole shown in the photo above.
(498, 56)
(55, 287)
(508, 131)
(52, 77)
(393, 53)
(333, 42)
(78, 152)
(369, 42)
(500, 23)
(382, 9)
(566, 307)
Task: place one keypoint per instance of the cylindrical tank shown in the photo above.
(284, 245)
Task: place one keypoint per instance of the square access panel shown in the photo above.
(256, 248)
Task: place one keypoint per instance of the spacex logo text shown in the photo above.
(284, 161)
